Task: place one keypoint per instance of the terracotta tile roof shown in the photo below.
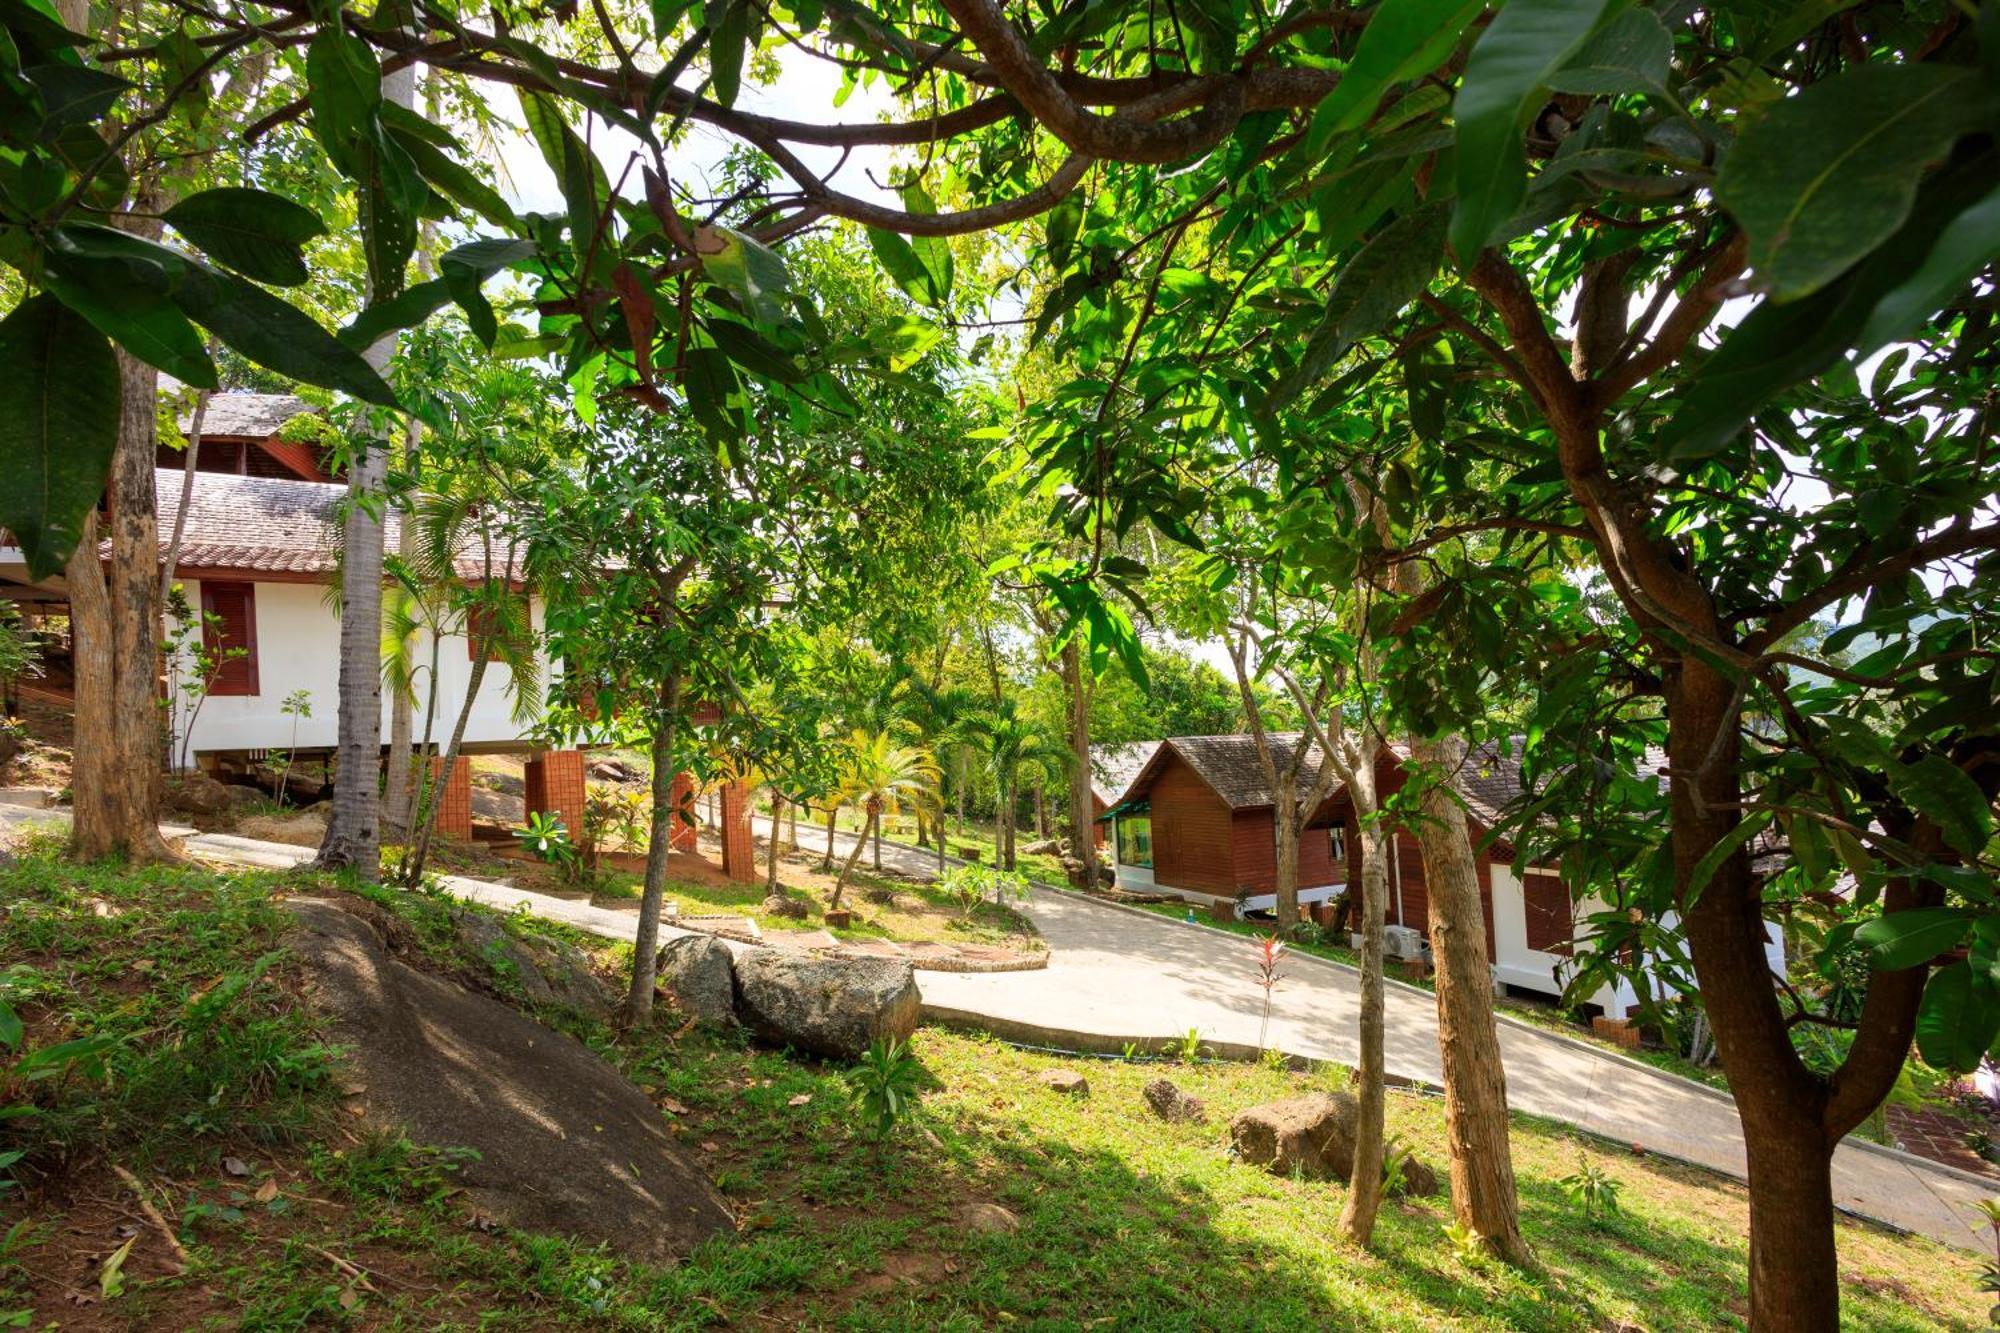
(1112, 768)
(267, 525)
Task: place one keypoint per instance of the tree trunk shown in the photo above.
(646, 942)
(875, 826)
(1008, 811)
(1082, 815)
(397, 796)
(771, 857)
(791, 826)
(1475, 1083)
(1364, 1189)
(427, 816)
(832, 820)
(171, 560)
(354, 829)
(847, 868)
(1285, 829)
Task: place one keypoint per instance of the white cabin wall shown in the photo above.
(298, 647)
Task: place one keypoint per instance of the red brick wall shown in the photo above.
(455, 800)
(738, 859)
(1191, 832)
(555, 786)
(685, 832)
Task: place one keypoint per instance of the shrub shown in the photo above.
(884, 1086)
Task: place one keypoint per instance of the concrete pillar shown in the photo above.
(555, 786)
(739, 862)
(685, 831)
(455, 798)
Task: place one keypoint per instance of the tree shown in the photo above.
(1010, 742)
(881, 777)
(1324, 163)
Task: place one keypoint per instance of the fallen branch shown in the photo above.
(153, 1216)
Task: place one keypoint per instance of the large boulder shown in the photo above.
(784, 905)
(1311, 1136)
(565, 1144)
(197, 794)
(1046, 847)
(698, 975)
(545, 972)
(834, 1007)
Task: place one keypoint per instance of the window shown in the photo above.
(1336, 846)
(229, 633)
(1135, 840)
(1546, 899)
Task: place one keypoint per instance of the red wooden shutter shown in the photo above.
(1550, 928)
(234, 607)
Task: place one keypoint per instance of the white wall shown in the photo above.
(1531, 969)
(298, 648)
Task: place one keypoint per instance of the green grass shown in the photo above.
(1123, 1222)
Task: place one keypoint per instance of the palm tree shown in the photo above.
(1010, 742)
(943, 718)
(881, 777)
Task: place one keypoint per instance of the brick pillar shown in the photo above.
(455, 800)
(739, 861)
(685, 832)
(555, 786)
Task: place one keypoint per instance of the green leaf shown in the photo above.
(1940, 791)
(1711, 861)
(1821, 179)
(1958, 1019)
(712, 392)
(58, 428)
(751, 270)
(578, 173)
(1968, 244)
(123, 284)
(276, 335)
(409, 308)
(11, 1031)
(1064, 221)
(452, 178)
(74, 94)
(1633, 53)
(1403, 40)
(1504, 76)
(1896, 940)
(900, 260)
(1386, 274)
(754, 352)
(726, 49)
(252, 231)
(344, 86)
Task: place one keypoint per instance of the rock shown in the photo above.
(834, 1007)
(611, 770)
(1419, 1180)
(785, 906)
(1311, 1135)
(565, 1144)
(988, 1219)
(197, 793)
(307, 828)
(544, 971)
(699, 974)
(1046, 847)
(241, 797)
(1170, 1103)
(1065, 1081)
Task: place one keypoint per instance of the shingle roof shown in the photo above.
(255, 416)
(1230, 765)
(266, 525)
(1112, 767)
(1487, 780)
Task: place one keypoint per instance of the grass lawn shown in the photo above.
(218, 1096)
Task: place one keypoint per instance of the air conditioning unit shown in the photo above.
(1403, 942)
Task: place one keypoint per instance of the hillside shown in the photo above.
(206, 1081)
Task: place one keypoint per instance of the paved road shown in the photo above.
(1117, 974)
(1120, 974)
